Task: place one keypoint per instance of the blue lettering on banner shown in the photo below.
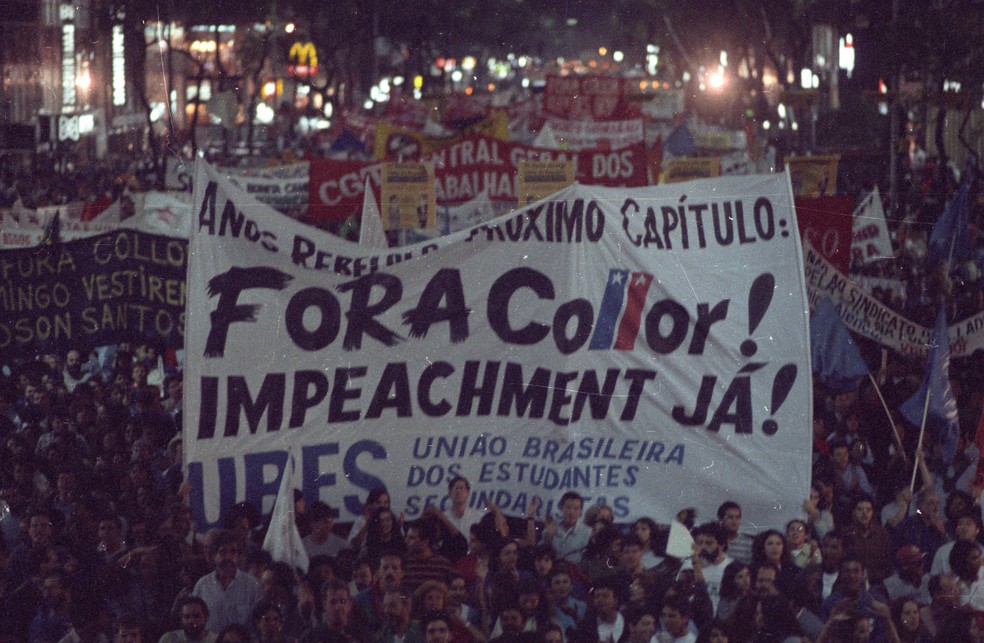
(258, 487)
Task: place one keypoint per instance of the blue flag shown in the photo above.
(941, 416)
(680, 142)
(952, 230)
(837, 362)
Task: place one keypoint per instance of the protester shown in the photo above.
(96, 496)
(229, 592)
(322, 540)
(194, 615)
(570, 536)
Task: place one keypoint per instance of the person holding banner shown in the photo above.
(570, 536)
(459, 517)
(925, 530)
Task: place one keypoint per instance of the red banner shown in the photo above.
(599, 98)
(467, 168)
(336, 188)
(477, 163)
(826, 222)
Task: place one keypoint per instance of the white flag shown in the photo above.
(869, 232)
(283, 541)
(371, 234)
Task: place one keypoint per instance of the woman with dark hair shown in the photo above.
(905, 615)
(770, 547)
(645, 590)
(504, 578)
(602, 552)
(736, 584)
(383, 533)
(378, 498)
(646, 529)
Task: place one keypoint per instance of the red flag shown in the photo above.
(628, 329)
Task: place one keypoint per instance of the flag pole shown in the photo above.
(922, 433)
(949, 258)
(888, 414)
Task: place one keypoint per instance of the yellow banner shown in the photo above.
(691, 167)
(813, 176)
(395, 143)
(540, 179)
(408, 196)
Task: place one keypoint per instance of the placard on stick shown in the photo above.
(408, 196)
(540, 179)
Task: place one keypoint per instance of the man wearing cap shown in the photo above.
(322, 541)
(911, 577)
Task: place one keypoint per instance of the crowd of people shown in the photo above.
(98, 540)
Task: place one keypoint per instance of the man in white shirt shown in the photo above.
(833, 552)
(229, 592)
(570, 536)
(710, 545)
(459, 515)
(321, 541)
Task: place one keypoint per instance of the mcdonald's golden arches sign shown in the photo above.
(302, 59)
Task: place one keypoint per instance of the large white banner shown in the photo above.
(562, 134)
(869, 317)
(284, 187)
(646, 347)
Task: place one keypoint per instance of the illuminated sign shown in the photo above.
(71, 127)
(203, 46)
(68, 65)
(302, 59)
(119, 66)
